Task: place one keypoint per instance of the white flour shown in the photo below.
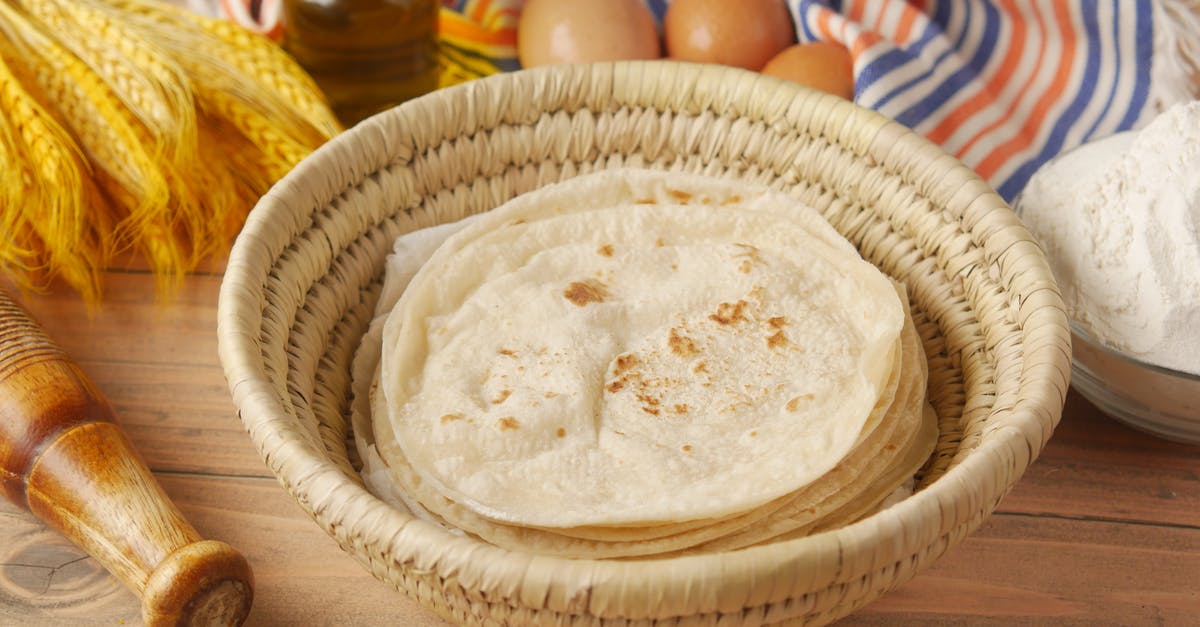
(1120, 221)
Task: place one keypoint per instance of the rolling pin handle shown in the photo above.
(205, 583)
(64, 458)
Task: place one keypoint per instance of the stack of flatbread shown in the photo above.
(638, 363)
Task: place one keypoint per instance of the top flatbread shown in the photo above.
(636, 348)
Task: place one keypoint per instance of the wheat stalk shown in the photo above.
(150, 84)
(281, 90)
(110, 135)
(50, 215)
(134, 124)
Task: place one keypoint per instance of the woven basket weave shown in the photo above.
(305, 273)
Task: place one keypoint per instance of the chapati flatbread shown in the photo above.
(636, 348)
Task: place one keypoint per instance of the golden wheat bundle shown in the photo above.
(133, 125)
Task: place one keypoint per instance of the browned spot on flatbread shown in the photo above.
(889, 447)
(507, 352)
(644, 389)
(730, 313)
(753, 434)
(680, 409)
(681, 345)
(605, 250)
(687, 448)
(794, 404)
(645, 201)
(507, 423)
(650, 404)
(451, 418)
(778, 322)
(562, 433)
(551, 395)
(679, 195)
(501, 397)
(659, 242)
(581, 293)
(732, 199)
(622, 370)
(624, 363)
(749, 257)
(700, 367)
(779, 340)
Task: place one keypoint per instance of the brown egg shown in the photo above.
(743, 33)
(551, 32)
(821, 65)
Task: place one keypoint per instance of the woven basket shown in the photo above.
(305, 273)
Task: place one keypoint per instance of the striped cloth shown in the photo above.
(1004, 85)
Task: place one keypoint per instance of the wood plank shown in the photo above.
(1096, 467)
(1017, 569)
(156, 362)
(181, 418)
(44, 579)
(133, 323)
(301, 576)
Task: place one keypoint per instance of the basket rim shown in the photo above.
(920, 519)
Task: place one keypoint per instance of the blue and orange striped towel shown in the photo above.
(1002, 84)
(1005, 85)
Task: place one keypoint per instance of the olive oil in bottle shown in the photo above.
(366, 55)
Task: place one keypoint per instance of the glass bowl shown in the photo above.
(1157, 400)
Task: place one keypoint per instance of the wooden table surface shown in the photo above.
(1104, 529)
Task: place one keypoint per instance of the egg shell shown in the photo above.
(552, 32)
(822, 65)
(741, 33)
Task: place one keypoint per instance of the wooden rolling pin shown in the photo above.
(64, 458)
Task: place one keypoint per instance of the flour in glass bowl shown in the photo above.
(1120, 221)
